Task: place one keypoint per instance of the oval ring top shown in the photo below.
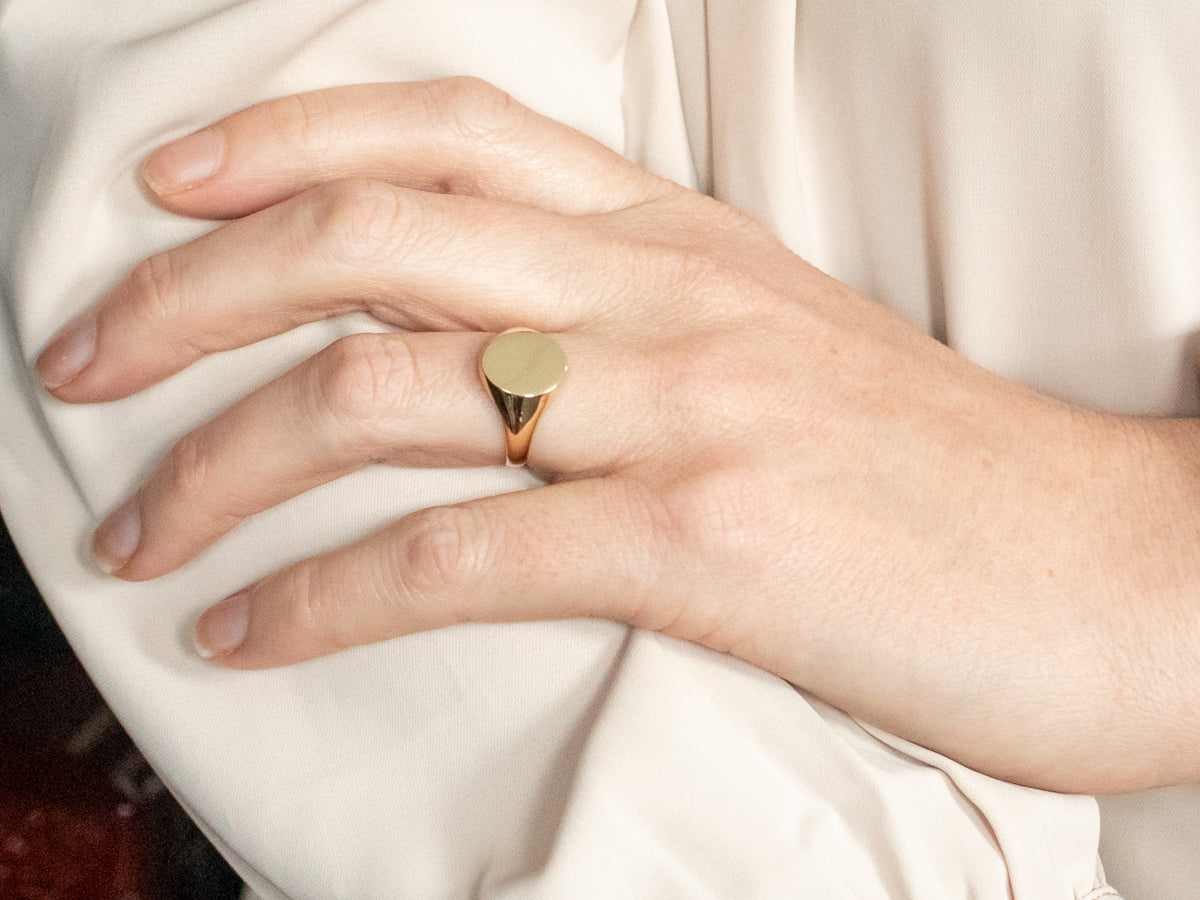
(524, 363)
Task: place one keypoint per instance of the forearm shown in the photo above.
(1143, 600)
(1078, 641)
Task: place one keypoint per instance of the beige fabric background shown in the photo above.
(1019, 180)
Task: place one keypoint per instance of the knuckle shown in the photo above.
(702, 383)
(301, 121)
(725, 287)
(189, 468)
(357, 221)
(319, 604)
(439, 559)
(475, 109)
(723, 384)
(722, 513)
(155, 293)
(361, 378)
(702, 255)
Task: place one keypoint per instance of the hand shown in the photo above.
(746, 453)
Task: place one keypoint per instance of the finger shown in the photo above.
(457, 135)
(419, 261)
(584, 548)
(413, 400)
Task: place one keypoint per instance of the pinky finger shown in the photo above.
(569, 550)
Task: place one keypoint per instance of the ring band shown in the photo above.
(521, 368)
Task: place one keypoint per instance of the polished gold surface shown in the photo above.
(525, 363)
(521, 368)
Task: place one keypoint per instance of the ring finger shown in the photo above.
(404, 399)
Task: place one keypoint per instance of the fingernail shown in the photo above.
(117, 537)
(184, 163)
(69, 353)
(221, 628)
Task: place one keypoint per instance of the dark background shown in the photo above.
(82, 815)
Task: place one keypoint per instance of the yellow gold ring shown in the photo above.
(521, 368)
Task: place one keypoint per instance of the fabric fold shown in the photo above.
(539, 760)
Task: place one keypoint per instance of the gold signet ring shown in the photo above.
(521, 368)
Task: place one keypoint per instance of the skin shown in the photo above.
(797, 477)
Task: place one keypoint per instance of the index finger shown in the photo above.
(456, 135)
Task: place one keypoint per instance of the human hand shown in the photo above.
(746, 454)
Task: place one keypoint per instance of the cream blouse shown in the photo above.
(1020, 179)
